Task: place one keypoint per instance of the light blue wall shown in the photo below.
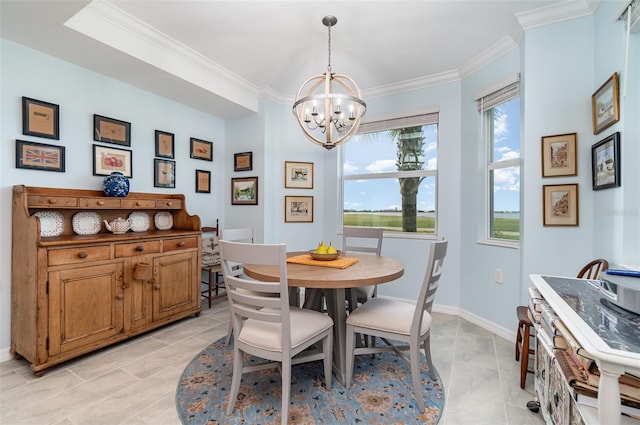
(80, 94)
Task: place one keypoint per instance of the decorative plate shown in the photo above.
(163, 220)
(51, 223)
(139, 221)
(86, 223)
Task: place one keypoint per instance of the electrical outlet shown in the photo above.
(497, 275)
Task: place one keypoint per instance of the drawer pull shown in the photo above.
(156, 286)
(140, 248)
(181, 244)
(100, 203)
(120, 296)
(83, 254)
(52, 200)
(169, 203)
(138, 203)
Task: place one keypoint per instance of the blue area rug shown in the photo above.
(381, 393)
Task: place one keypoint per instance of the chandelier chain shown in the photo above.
(329, 63)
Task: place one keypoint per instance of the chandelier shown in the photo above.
(329, 106)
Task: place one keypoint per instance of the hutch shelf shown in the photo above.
(72, 294)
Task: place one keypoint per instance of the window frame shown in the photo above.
(409, 120)
(499, 95)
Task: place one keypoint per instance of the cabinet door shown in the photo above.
(175, 284)
(138, 292)
(85, 306)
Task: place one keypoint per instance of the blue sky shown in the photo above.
(365, 154)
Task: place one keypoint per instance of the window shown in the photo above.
(390, 175)
(500, 114)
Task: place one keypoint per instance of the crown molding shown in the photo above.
(556, 13)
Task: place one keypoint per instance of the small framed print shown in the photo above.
(559, 155)
(244, 191)
(164, 173)
(201, 149)
(40, 119)
(109, 130)
(39, 156)
(560, 204)
(605, 162)
(243, 161)
(298, 209)
(298, 175)
(605, 105)
(165, 144)
(106, 160)
(203, 181)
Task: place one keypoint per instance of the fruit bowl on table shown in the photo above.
(324, 257)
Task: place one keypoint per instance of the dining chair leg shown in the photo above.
(286, 388)
(327, 347)
(427, 354)
(238, 364)
(350, 347)
(229, 334)
(415, 375)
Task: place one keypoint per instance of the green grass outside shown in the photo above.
(504, 228)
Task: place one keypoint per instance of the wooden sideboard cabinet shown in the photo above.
(72, 294)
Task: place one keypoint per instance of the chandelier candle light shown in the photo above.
(329, 107)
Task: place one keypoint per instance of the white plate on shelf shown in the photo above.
(51, 223)
(139, 221)
(163, 220)
(86, 223)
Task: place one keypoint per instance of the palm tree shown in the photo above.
(410, 141)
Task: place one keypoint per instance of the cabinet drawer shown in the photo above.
(138, 203)
(180, 243)
(137, 248)
(99, 202)
(58, 257)
(51, 201)
(174, 204)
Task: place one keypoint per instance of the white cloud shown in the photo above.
(349, 167)
(382, 165)
(507, 179)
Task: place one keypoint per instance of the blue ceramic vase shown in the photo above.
(116, 185)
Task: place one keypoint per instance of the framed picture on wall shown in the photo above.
(244, 191)
(165, 144)
(203, 181)
(110, 130)
(164, 173)
(40, 119)
(559, 155)
(39, 156)
(605, 162)
(298, 175)
(243, 161)
(605, 105)
(298, 209)
(106, 160)
(560, 203)
(201, 149)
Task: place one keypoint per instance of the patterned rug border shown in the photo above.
(201, 400)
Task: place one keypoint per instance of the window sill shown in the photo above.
(501, 244)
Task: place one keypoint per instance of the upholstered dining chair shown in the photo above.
(593, 268)
(395, 320)
(265, 325)
(361, 239)
(240, 234)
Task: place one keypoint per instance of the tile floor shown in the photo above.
(134, 382)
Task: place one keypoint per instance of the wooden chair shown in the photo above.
(523, 342)
(361, 239)
(410, 324)
(593, 269)
(265, 325)
(211, 263)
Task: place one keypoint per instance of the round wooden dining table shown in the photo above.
(368, 270)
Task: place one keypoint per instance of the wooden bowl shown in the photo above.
(324, 257)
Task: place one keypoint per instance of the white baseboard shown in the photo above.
(5, 355)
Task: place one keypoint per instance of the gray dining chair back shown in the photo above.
(400, 325)
(361, 239)
(266, 326)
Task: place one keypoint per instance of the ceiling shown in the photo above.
(222, 56)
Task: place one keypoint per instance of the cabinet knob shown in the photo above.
(83, 254)
(140, 248)
(181, 244)
(120, 296)
(169, 203)
(156, 286)
(52, 200)
(138, 203)
(100, 203)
